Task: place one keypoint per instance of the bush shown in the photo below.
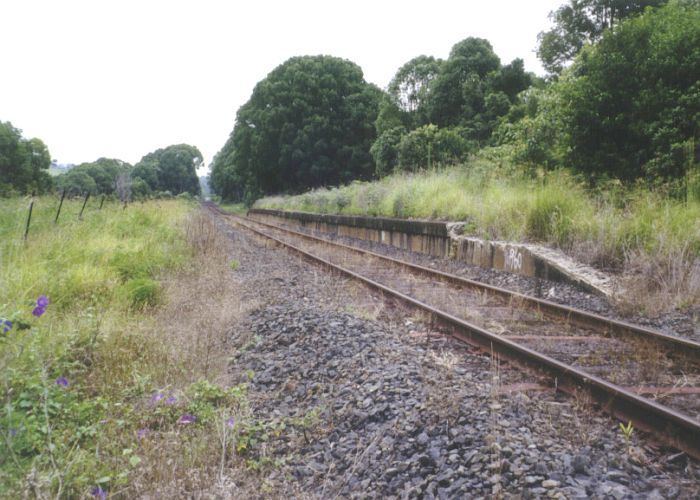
(427, 146)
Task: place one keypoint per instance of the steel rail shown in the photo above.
(674, 428)
(685, 346)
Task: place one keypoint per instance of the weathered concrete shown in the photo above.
(443, 239)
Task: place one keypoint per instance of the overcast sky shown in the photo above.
(122, 78)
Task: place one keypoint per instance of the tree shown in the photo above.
(631, 103)
(456, 91)
(583, 21)
(172, 169)
(76, 182)
(473, 91)
(428, 146)
(309, 123)
(23, 162)
(147, 171)
(104, 173)
(410, 87)
(385, 150)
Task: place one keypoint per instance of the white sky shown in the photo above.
(122, 78)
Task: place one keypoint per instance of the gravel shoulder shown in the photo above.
(376, 405)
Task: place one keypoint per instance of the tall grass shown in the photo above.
(75, 379)
(613, 228)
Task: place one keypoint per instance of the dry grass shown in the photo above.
(201, 305)
(668, 279)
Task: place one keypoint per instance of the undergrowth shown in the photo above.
(92, 382)
(634, 230)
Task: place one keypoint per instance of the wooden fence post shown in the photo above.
(29, 219)
(58, 212)
(84, 203)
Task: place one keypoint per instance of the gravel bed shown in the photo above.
(382, 408)
(679, 323)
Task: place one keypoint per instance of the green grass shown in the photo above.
(102, 277)
(501, 203)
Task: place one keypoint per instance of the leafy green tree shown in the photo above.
(309, 123)
(385, 150)
(410, 87)
(539, 136)
(583, 21)
(103, 171)
(456, 92)
(473, 91)
(24, 162)
(631, 103)
(172, 169)
(77, 182)
(390, 117)
(429, 146)
(140, 188)
(147, 171)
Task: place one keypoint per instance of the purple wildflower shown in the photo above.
(13, 433)
(62, 381)
(187, 419)
(98, 492)
(141, 433)
(6, 325)
(42, 301)
(38, 311)
(230, 422)
(171, 400)
(157, 396)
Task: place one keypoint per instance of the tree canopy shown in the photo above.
(472, 89)
(24, 162)
(309, 123)
(583, 21)
(98, 177)
(172, 169)
(436, 112)
(629, 106)
(633, 99)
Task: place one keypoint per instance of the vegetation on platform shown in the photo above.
(612, 227)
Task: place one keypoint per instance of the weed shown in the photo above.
(627, 434)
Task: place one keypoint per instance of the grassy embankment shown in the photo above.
(653, 239)
(112, 386)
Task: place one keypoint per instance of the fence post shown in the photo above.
(80, 217)
(102, 202)
(58, 212)
(29, 219)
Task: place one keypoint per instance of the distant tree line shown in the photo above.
(24, 166)
(622, 100)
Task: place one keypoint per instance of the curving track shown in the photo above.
(634, 373)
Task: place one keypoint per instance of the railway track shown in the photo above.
(636, 374)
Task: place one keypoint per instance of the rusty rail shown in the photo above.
(578, 316)
(674, 428)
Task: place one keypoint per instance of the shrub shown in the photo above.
(428, 145)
